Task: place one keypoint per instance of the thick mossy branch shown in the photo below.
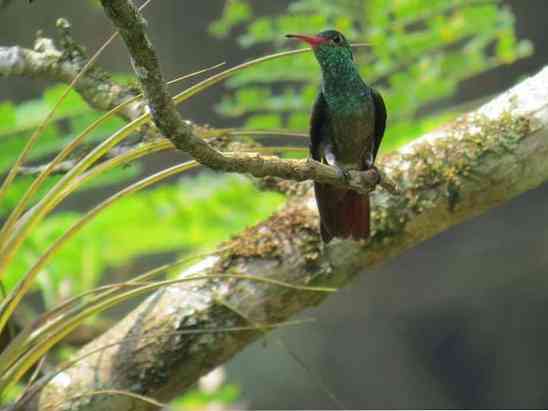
(447, 165)
(480, 161)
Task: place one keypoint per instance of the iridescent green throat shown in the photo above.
(342, 86)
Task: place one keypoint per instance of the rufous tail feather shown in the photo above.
(343, 213)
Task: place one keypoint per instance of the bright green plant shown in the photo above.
(419, 51)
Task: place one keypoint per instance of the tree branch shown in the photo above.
(451, 175)
(46, 61)
(131, 26)
(49, 62)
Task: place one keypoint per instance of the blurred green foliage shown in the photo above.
(419, 52)
(193, 214)
(225, 396)
(18, 122)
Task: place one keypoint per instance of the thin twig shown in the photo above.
(131, 26)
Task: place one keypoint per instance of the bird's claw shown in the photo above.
(343, 173)
(377, 173)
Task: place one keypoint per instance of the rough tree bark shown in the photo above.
(478, 162)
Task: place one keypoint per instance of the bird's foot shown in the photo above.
(377, 173)
(343, 173)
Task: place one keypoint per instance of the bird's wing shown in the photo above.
(318, 125)
(343, 213)
(380, 120)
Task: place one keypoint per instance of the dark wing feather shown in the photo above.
(380, 120)
(318, 126)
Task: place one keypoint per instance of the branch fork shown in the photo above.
(128, 20)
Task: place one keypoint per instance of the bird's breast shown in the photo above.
(353, 134)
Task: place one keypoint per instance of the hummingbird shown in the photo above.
(346, 129)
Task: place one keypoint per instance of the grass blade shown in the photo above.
(8, 304)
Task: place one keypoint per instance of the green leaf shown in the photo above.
(72, 103)
(235, 12)
(197, 399)
(7, 116)
(18, 188)
(266, 121)
(31, 112)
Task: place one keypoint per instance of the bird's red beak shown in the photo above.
(314, 41)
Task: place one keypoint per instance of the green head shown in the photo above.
(331, 49)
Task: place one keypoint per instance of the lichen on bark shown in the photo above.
(438, 168)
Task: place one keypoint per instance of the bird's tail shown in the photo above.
(343, 213)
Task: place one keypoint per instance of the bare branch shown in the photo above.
(458, 172)
(131, 26)
(46, 61)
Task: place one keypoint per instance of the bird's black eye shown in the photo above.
(337, 39)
